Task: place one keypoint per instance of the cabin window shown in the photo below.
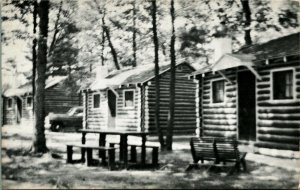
(96, 101)
(218, 89)
(283, 85)
(128, 98)
(179, 68)
(9, 103)
(29, 102)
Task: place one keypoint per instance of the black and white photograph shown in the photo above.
(150, 94)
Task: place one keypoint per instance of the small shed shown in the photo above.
(18, 102)
(125, 100)
(254, 95)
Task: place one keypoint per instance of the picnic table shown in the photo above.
(123, 141)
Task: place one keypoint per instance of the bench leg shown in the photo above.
(155, 155)
(111, 159)
(243, 161)
(83, 155)
(69, 154)
(89, 156)
(192, 166)
(103, 156)
(133, 154)
(112, 145)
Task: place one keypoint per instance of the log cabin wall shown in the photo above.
(219, 119)
(128, 118)
(96, 117)
(57, 100)
(278, 121)
(27, 114)
(185, 102)
(9, 114)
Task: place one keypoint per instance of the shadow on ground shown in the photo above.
(21, 170)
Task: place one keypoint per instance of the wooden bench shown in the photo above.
(217, 150)
(133, 152)
(227, 151)
(89, 151)
(202, 149)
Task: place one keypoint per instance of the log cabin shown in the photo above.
(253, 95)
(18, 102)
(125, 100)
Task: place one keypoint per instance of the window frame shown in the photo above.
(128, 90)
(12, 102)
(293, 83)
(212, 93)
(27, 102)
(179, 68)
(93, 98)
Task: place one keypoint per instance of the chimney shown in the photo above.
(101, 71)
(221, 45)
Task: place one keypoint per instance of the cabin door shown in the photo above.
(111, 109)
(246, 106)
(19, 110)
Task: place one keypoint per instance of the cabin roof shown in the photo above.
(227, 61)
(137, 75)
(27, 87)
(279, 47)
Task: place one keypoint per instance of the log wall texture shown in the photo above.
(9, 114)
(97, 117)
(57, 100)
(127, 118)
(278, 121)
(185, 102)
(219, 119)
(27, 114)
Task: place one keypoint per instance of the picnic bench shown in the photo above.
(88, 150)
(133, 152)
(123, 145)
(217, 150)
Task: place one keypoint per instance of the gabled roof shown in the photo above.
(27, 87)
(137, 75)
(280, 47)
(227, 61)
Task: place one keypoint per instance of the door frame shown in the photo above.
(116, 106)
(238, 107)
(19, 104)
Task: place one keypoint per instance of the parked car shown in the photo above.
(70, 120)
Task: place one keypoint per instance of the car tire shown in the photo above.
(56, 127)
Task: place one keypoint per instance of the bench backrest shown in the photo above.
(202, 149)
(227, 149)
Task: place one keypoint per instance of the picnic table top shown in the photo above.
(112, 132)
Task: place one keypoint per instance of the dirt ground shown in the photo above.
(21, 170)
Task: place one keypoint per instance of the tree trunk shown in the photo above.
(169, 140)
(107, 33)
(247, 13)
(56, 30)
(112, 49)
(156, 70)
(39, 140)
(103, 44)
(34, 41)
(134, 34)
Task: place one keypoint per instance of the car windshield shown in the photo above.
(74, 111)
